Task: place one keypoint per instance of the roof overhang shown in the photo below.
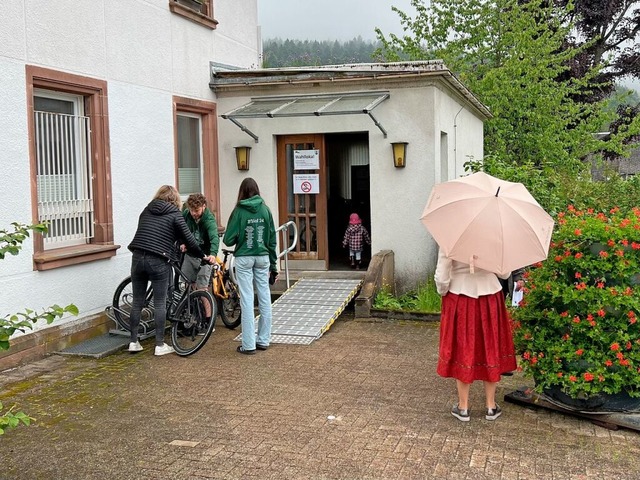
(308, 106)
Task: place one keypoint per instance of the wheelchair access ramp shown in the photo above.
(309, 307)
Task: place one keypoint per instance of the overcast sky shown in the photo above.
(329, 19)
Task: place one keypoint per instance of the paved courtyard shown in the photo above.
(362, 402)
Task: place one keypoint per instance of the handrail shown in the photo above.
(284, 231)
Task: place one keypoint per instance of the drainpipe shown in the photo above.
(455, 142)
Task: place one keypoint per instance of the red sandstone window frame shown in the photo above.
(95, 95)
(200, 12)
(209, 125)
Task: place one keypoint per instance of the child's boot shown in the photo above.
(358, 265)
(353, 262)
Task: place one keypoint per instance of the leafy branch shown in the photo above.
(11, 243)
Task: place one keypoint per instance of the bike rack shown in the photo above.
(283, 230)
(145, 329)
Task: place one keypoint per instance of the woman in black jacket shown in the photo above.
(160, 225)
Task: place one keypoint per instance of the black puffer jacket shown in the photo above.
(159, 226)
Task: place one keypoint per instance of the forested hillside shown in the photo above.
(297, 53)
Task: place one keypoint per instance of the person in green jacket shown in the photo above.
(202, 224)
(251, 229)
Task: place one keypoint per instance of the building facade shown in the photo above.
(106, 100)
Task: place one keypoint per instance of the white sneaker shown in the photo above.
(164, 350)
(135, 347)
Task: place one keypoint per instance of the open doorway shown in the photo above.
(349, 192)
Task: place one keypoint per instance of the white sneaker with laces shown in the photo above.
(493, 413)
(135, 347)
(164, 350)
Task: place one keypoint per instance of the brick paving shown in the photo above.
(362, 402)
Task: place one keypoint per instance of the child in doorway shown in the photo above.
(354, 238)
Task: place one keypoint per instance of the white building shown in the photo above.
(103, 101)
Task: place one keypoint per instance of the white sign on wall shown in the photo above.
(306, 159)
(306, 183)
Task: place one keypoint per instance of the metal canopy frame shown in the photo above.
(308, 106)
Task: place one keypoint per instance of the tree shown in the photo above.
(610, 30)
(511, 55)
(11, 243)
(298, 53)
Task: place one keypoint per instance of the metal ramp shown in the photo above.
(308, 309)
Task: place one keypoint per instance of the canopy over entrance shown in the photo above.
(308, 106)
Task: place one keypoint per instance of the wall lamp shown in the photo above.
(242, 157)
(399, 154)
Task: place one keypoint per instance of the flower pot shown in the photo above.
(599, 403)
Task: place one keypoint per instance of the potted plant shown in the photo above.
(577, 329)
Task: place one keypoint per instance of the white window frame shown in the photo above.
(69, 210)
(184, 196)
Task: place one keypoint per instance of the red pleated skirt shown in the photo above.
(476, 342)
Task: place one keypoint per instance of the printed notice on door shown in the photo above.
(306, 183)
(306, 159)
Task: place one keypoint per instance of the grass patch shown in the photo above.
(424, 299)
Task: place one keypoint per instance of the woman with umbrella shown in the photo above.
(475, 335)
(499, 227)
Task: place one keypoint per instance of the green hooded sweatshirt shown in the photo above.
(205, 230)
(252, 231)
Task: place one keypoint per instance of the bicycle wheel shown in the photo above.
(123, 302)
(230, 307)
(190, 329)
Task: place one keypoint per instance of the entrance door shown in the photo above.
(307, 210)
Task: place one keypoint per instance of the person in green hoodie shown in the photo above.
(202, 224)
(251, 229)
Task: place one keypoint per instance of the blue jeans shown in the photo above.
(147, 267)
(253, 271)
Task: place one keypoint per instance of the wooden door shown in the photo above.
(307, 210)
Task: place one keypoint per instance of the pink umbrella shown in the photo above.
(488, 223)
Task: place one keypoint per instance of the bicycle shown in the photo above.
(225, 290)
(186, 311)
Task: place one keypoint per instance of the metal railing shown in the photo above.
(283, 236)
(64, 186)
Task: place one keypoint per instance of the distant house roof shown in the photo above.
(630, 165)
(225, 80)
(625, 166)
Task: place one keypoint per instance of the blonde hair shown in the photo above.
(168, 194)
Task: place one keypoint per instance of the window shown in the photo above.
(69, 152)
(63, 170)
(198, 11)
(196, 150)
(189, 131)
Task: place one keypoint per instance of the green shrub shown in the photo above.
(577, 327)
(424, 299)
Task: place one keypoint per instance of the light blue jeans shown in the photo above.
(253, 271)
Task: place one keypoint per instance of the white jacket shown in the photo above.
(456, 277)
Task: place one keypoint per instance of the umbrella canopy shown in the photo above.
(487, 222)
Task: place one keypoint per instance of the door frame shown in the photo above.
(298, 259)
